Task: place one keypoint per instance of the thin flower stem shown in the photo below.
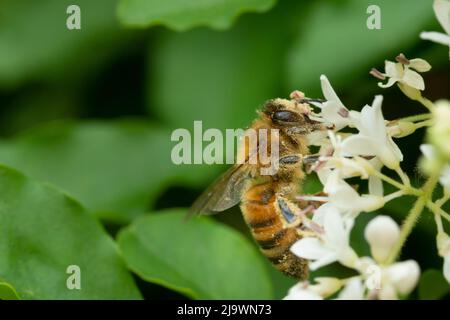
(425, 123)
(417, 117)
(403, 176)
(407, 227)
(427, 103)
(440, 202)
(406, 189)
(438, 210)
(394, 195)
(412, 218)
(438, 220)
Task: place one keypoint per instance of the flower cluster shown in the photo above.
(344, 155)
(359, 145)
(374, 280)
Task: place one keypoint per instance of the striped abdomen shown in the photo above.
(263, 215)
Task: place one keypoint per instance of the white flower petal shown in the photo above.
(301, 292)
(427, 150)
(442, 11)
(413, 79)
(390, 154)
(375, 186)
(325, 260)
(389, 83)
(404, 276)
(310, 248)
(360, 145)
(330, 112)
(368, 203)
(328, 91)
(387, 292)
(326, 286)
(320, 213)
(334, 229)
(317, 138)
(437, 37)
(393, 70)
(354, 290)
(397, 153)
(445, 177)
(420, 65)
(447, 267)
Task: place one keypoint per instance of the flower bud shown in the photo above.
(381, 233)
(326, 286)
(439, 133)
(443, 245)
(402, 129)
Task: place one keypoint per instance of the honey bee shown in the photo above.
(268, 201)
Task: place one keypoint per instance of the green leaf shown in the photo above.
(36, 44)
(42, 233)
(281, 283)
(199, 258)
(334, 40)
(432, 285)
(7, 292)
(117, 168)
(221, 78)
(181, 15)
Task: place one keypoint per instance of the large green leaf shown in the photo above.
(42, 233)
(181, 15)
(220, 78)
(432, 285)
(116, 168)
(35, 42)
(334, 39)
(199, 258)
(7, 292)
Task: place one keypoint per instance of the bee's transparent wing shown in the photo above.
(224, 193)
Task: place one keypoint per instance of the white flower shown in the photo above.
(340, 160)
(445, 178)
(389, 282)
(323, 287)
(402, 72)
(373, 139)
(354, 290)
(399, 279)
(447, 266)
(301, 291)
(430, 155)
(375, 183)
(442, 11)
(381, 233)
(443, 244)
(348, 167)
(347, 200)
(333, 110)
(439, 133)
(329, 247)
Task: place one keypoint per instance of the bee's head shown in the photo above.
(291, 115)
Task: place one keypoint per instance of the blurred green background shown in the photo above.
(91, 112)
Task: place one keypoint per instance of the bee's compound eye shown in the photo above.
(285, 116)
